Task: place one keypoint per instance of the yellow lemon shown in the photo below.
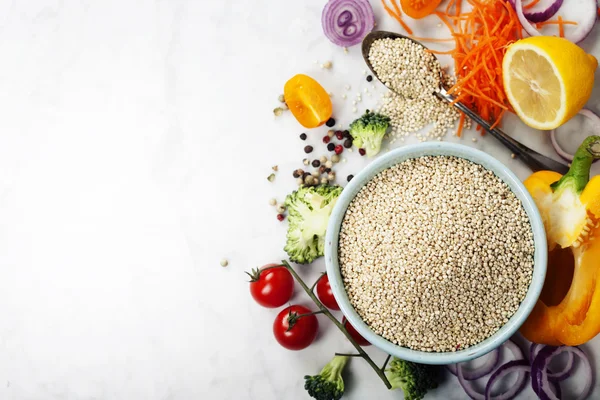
(547, 80)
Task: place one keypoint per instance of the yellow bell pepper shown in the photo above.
(568, 310)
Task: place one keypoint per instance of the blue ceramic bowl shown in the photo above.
(436, 149)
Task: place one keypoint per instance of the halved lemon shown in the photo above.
(547, 80)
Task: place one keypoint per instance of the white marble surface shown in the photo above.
(135, 139)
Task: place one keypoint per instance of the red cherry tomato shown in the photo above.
(302, 332)
(271, 288)
(325, 294)
(354, 333)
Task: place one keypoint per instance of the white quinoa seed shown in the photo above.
(436, 253)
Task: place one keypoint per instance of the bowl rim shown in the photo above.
(397, 156)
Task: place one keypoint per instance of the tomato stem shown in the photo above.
(312, 288)
(348, 355)
(293, 318)
(254, 274)
(339, 325)
(312, 313)
(385, 362)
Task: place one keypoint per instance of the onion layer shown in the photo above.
(539, 371)
(559, 150)
(542, 11)
(347, 22)
(490, 364)
(520, 366)
(513, 391)
(586, 13)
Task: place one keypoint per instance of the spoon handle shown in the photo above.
(533, 159)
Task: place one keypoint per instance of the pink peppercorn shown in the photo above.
(338, 149)
(326, 139)
(362, 152)
(339, 135)
(280, 217)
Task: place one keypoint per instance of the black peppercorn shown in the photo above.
(308, 149)
(331, 147)
(316, 163)
(330, 122)
(303, 136)
(348, 143)
(349, 178)
(369, 78)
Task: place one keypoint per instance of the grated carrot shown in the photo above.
(531, 5)
(396, 7)
(439, 52)
(425, 39)
(461, 124)
(558, 21)
(397, 16)
(481, 38)
(561, 27)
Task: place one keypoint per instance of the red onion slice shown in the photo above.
(539, 373)
(542, 11)
(475, 395)
(520, 366)
(490, 364)
(596, 126)
(561, 375)
(347, 22)
(469, 390)
(582, 11)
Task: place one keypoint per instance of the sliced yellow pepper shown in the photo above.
(568, 310)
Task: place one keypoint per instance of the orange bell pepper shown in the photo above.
(568, 310)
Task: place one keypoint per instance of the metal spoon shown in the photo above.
(532, 158)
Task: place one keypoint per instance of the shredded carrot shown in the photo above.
(558, 21)
(531, 5)
(498, 119)
(439, 52)
(434, 40)
(461, 123)
(561, 27)
(396, 7)
(396, 16)
(481, 37)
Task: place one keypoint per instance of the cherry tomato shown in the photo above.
(325, 294)
(307, 100)
(273, 287)
(354, 333)
(302, 332)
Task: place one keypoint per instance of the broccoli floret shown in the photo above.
(368, 132)
(328, 385)
(414, 379)
(308, 213)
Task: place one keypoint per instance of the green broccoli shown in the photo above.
(414, 379)
(328, 385)
(368, 132)
(309, 208)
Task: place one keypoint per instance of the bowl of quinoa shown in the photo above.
(436, 253)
